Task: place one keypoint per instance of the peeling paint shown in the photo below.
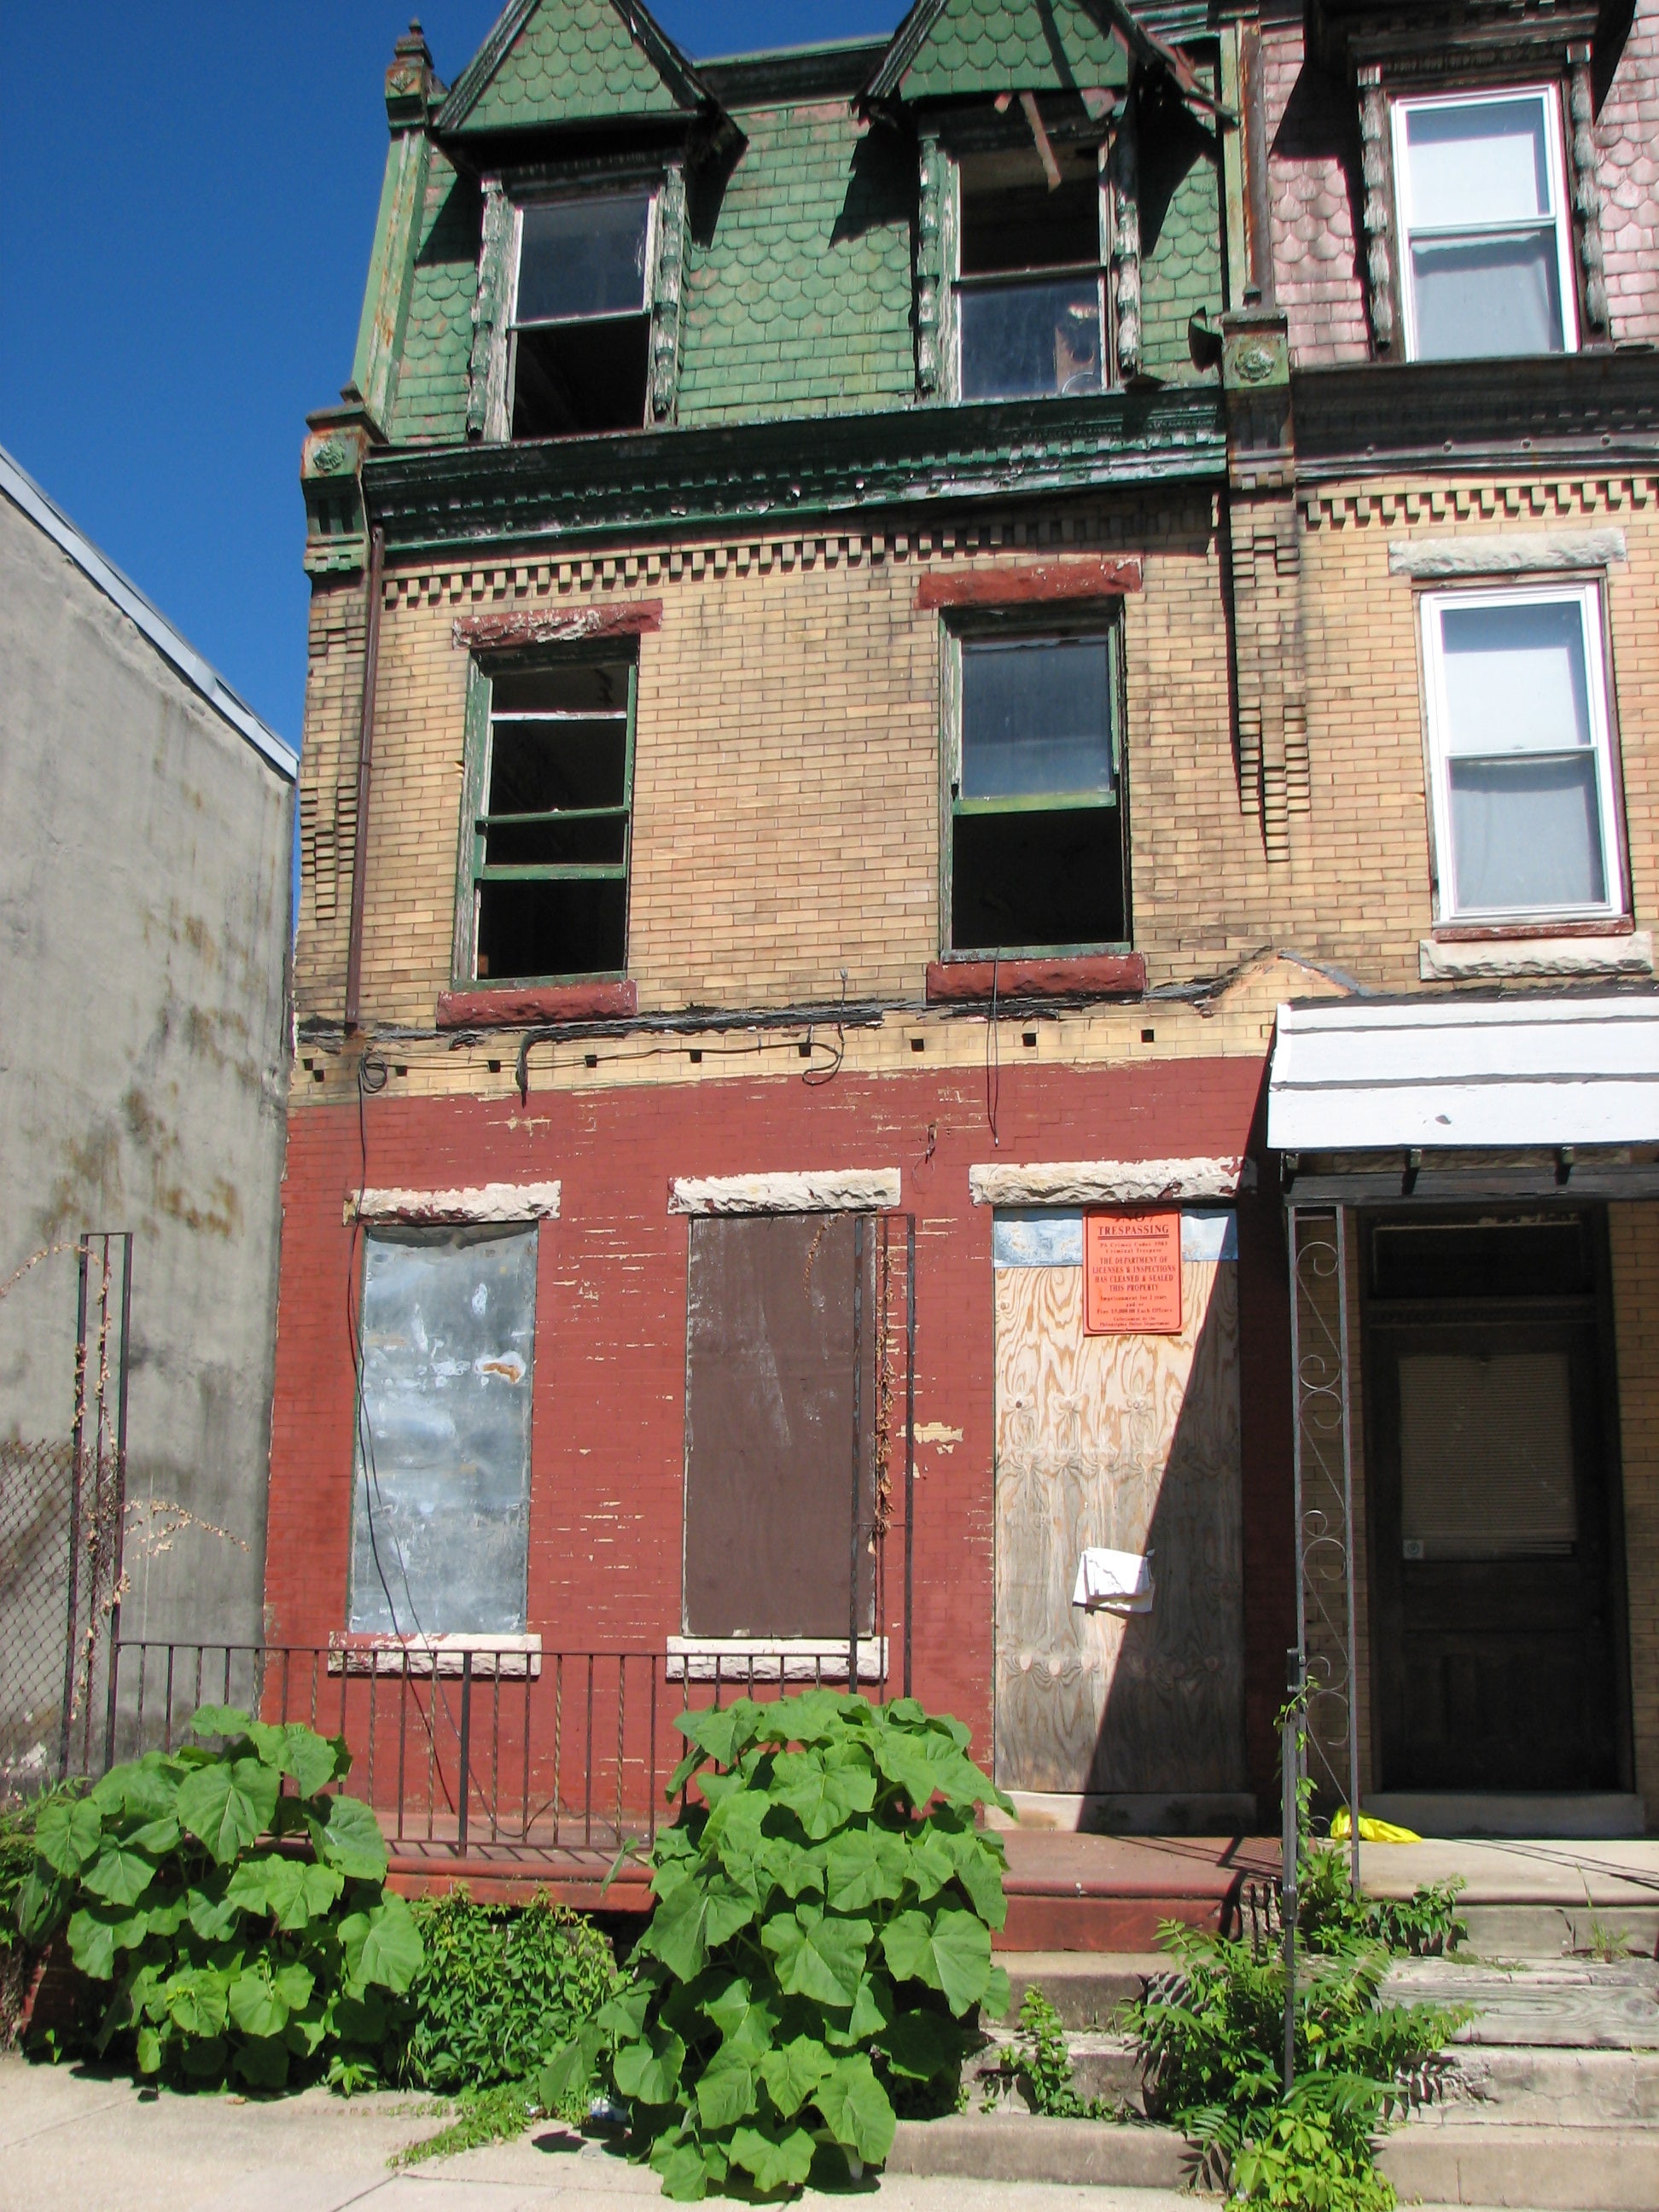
(935, 1433)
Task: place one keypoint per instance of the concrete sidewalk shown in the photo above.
(69, 2140)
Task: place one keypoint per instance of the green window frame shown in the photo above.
(552, 877)
(1050, 864)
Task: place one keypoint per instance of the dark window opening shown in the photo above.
(1038, 844)
(581, 322)
(1516, 1259)
(551, 838)
(1030, 292)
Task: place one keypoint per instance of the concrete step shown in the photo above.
(1513, 2084)
(1087, 1989)
(1009, 2145)
(1103, 2067)
(1578, 2004)
(1448, 2157)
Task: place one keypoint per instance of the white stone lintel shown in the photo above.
(1631, 954)
(488, 1202)
(738, 1660)
(833, 1190)
(509, 1657)
(1504, 553)
(1109, 1182)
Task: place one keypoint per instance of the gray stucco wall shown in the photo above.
(144, 936)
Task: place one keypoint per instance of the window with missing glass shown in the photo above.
(1486, 241)
(1521, 755)
(1032, 282)
(440, 1496)
(1036, 859)
(544, 886)
(581, 321)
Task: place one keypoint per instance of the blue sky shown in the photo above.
(187, 196)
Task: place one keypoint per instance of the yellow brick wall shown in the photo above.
(786, 788)
(1633, 1232)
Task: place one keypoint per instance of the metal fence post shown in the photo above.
(466, 1748)
(1289, 1842)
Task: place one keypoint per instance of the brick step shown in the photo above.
(1073, 1891)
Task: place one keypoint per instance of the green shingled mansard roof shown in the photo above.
(947, 49)
(571, 61)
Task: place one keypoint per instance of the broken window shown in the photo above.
(550, 832)
(582, 323)
(1525, 822)
(1031, 287)
(1488, 248)
(441, 1490)
(774, 1334)
(1037, 814)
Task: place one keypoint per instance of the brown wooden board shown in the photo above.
(1131, 1442)
(769, 1452)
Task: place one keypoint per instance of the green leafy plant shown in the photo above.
(820, 1944)
(1211, 2036)
(1424, 1925)
(236, 1902)
(486, 2116)
(1044, 2064)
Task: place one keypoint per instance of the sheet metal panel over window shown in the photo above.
(769, 1426)
(440, 1502)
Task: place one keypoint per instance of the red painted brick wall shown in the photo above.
(609, 1368)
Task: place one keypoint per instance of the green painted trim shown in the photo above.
(1232, 169)
(392, 275)
(464, 959)
(554, 871)
(781, 475)
(678, 77)
(1059, 802)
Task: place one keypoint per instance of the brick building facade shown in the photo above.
(876, 617)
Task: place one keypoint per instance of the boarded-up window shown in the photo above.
(441, 1502)
(769, 1426)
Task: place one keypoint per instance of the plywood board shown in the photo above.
(1131, 1442)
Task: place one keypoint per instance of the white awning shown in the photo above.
(1352, 1074)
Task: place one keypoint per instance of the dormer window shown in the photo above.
(581, 322)
(1031, 288)
(1487, 246)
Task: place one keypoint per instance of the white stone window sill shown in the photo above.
(508, 1657)
(1440, 960)
(739, 1660)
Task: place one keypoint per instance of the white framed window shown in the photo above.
(1485, 244)
(581, 312)
(1521, 755)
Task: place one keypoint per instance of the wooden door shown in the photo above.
(1131, 1442)
(1495, 1628)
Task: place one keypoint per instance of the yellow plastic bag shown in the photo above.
(1371, 1830)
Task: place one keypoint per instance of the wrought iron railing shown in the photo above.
(466, 1748)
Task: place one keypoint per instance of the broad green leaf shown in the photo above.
(306, 2030)
(567, 2077)
(746, 2023)
(623, 2016)
(352, 1840)
(392, 1953)
(219, 1720)
(723, 1733)
(817, 1957)
(932, 1864)
(92, 1941)
(906, 1712)
(68, 1833)
(256, 2005)
(780, 1863)
(147, 2051)
(733, 1832)
(979, 1870)
(263, 2062)
(726, 2092)
(696, 1917)
(137, 1791)
(313, 1760)
(997, 1997)
(195, 2001)
(814, 1716)
(856, 2108)
(863, 1867)
(228, 1805)
(822, 1797)
(39, 1902)
(270, 1739)
(157, 1837)
(685, 2174)
(791, 2073)
(209, 1912)
(947, 1951)
(203, 2057)
(649, 2071)
(872, 2008)
(780, 2160)
(918, 2045)
(295, 1982)
(913, 1763)
(248, 1889)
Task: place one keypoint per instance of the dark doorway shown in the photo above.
(1493, 1502)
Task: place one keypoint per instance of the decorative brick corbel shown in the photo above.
(1379, 204)
(332, 482)
(930, 262)
(666, 290)
(1123, 164)
(486, 373)
(1586, 195)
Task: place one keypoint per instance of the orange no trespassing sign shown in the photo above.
(1131, 1274)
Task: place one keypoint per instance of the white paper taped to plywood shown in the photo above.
(1114, 1581)
(1109, 1182)
(831, 1190)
